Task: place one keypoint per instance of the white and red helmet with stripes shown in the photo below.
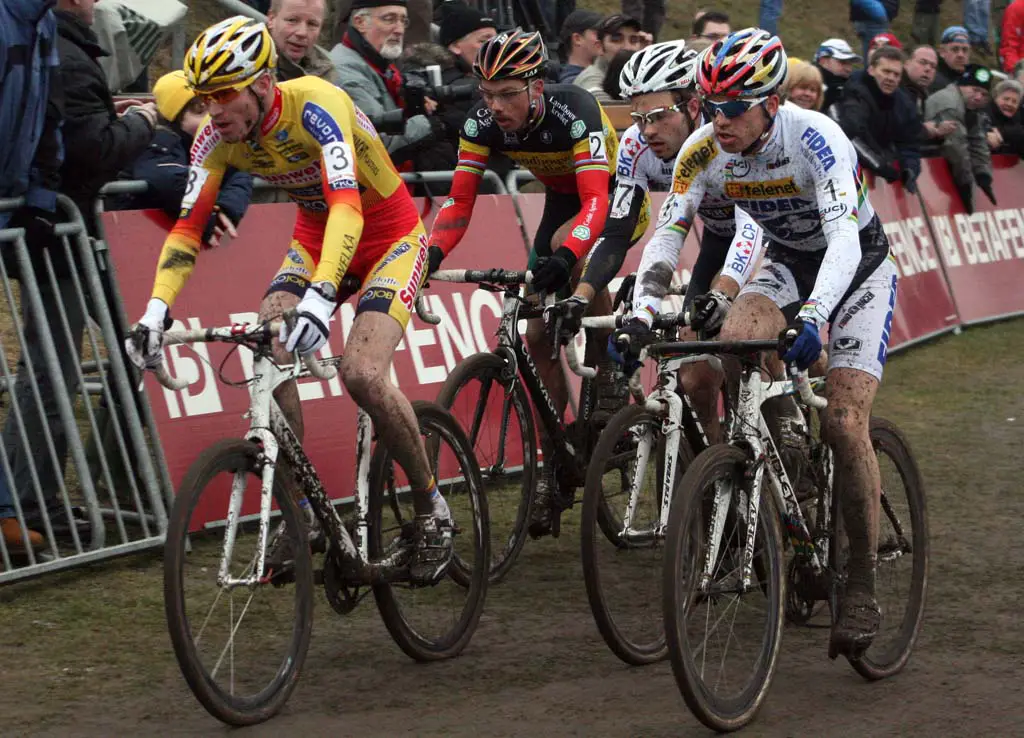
(747, 64)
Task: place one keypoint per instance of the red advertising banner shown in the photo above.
(983, 252)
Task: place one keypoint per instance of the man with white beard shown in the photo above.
(365, 60)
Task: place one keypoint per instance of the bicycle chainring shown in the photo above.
(341, 595)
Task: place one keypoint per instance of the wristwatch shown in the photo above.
(326, 290)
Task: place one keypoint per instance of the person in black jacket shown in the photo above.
(954, 56)
(1006, 127)
(164, 165)
(926, 22)
(835, 60)
(871, 18)
(881, 120)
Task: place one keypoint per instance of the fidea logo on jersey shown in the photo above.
(819, 147)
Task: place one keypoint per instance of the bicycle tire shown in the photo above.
(506, 545)
(718, 462)
(874, 664)
(234, 454)
(440, 423)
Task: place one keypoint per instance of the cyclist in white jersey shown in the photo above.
(827, 261)
(659, 84)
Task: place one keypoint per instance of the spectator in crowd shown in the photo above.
(883, 39)
(976, 17)
(768, 17)
(712, 25)
(164, 165)
(417, 20)
(872, 17)
(954, 55)
(925, 30)
(918, 74)
(965, 149)
(580, 45)
(365, 60)
(610, 86)
(97, 144)
(1006, 131)
(804, 87)
(835, 60)
(463, 30)
(1011, 43)
(30, 158)
(650, 12)
(999, 8)
(295, 27)
(617, 32)
(881, 120)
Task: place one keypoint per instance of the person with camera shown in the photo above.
(463, 30)
(365, 59)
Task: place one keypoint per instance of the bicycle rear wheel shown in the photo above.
(435, 622)
(697, 613)
(484, 403)
(901, 579)
(237, 683)
(622, 567)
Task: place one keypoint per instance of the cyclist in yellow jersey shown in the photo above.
(354, 217)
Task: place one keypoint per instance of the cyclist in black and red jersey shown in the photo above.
(561, 134)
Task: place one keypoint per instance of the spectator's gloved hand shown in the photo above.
(38, 224)
(888, 172)
(624, 296)
(434, 258)
(909, 179)
(624, 344)
(708, 313)
(551, 273)
(803, 349)
(985, 185)
(564, 318)
(144, 344)
(314, 312)
(967, 196)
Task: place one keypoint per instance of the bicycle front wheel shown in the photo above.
(901, 578)
(723, 638)
(433, 622)
(496, 414)
(240, 648)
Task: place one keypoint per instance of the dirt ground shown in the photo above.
(87, 653)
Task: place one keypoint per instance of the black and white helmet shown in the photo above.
(659, 68)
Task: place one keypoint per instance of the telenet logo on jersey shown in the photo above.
(692, 161)
(761, 190)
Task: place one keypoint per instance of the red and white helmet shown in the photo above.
(749, 63)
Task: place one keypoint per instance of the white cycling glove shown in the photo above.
(144, 344)
(314, 312)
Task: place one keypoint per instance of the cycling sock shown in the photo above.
(430, 502)
(441, 509)
(861, 574)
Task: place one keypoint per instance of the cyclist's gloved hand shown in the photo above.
(144, 344)
(314, 312)
(624, 296)
(564, 318)
(434, 258)
(708, 312)
(551, 273)
(625, 343)
(804, 349)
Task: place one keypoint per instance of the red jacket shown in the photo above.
(1011, 44)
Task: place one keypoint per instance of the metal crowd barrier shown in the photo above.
(109, 500)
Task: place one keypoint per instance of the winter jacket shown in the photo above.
(368, 91)
(1011, 43)
(164, 166)
(97, 143)
(30, 150)
(927, 6)
(965, 149)
(833, 89)
(883, 128)
(316, 63)
(591, 79)
(916, 94)
(1011, 129)
(944, 76)
(876, 11)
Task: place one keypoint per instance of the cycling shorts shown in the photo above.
(389, 280)
(860, 328)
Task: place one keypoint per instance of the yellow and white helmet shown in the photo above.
(230, 54)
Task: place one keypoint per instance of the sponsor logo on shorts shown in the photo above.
(408, 293)
(761, 190)
(382, 282)
(846, 345)
(819, 147)
(862, 303)
(378, 299)
(295, 256)
(402, 248)
(883, 345)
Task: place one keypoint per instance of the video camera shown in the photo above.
(419, 84)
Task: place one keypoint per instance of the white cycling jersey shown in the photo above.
(639, 166)
(803, 188)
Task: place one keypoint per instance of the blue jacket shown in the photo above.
(164, 166)
(30, 147)
(875, 11)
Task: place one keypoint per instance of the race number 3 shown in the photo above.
(196, 179)
(339, 165)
